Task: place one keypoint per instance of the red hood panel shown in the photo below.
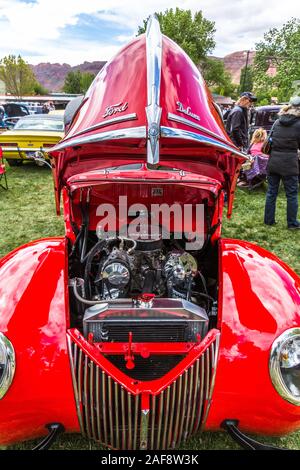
(125, 112)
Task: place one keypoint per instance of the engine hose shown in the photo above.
(82, 299)
(189, 290)
(76, 241)
(85, 225)
(87, 269)
(203, 282)
(206, 296)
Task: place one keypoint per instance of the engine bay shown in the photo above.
(135, 295)
(141, 270)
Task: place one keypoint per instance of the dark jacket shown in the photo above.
(237, 126)
(285, 144)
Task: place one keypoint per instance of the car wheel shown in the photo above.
(13, 162)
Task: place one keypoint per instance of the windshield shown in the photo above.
(40, 124)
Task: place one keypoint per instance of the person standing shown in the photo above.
(237, 123)
(283, 164)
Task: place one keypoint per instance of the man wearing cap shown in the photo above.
(237, 121)
(283, 164)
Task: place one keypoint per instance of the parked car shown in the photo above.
(140, 332)
(15, 109)
(31, 134)
(263, 116)
(13, 112)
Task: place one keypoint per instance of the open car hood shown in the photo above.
(148, 104)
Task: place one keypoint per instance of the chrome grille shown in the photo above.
(112, 416)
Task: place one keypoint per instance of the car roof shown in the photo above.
(269, 107)
(57, 117)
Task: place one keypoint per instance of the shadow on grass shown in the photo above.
(202, 441)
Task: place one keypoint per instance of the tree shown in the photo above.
(278, 50)
(246, 79)
(77, 82)
(86, 80)
(216, 77)
(40, 89)
(195, 34)
(17, 76)
(73, 82)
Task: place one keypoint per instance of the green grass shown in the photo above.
(27, 212)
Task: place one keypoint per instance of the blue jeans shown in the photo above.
(291, 186)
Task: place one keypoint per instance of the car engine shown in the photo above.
(123, 268)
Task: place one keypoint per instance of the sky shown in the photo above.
(74, 31)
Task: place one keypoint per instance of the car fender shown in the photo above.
(34, 317)
(259, 299)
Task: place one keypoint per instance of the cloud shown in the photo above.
(42, 26)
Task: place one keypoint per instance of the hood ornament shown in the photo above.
(153, 109)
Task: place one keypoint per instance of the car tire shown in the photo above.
(13, 162)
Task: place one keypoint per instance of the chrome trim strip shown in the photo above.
(160, 412)
(153, 412)
(179, 403)
(135, 427)
(110, 411)
(166, 420)
(92, 400)
(145, 415)
(200, 401)
(215, 347)
(128, 133)
(97, 376)
(129, 401)
(123, 424)
(86, 396)
(104, 406)
(274, 365)
(183, 407)
(173, 411)
(9, 367)
(194, 397)
(153, 109)
(182, 120)
(73, 361)
(116, 409)
(189, 401)
(116, 120)
(170, 132)
(26, 149)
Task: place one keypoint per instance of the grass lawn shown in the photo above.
(27, 212)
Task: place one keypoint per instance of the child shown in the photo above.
(254, 171)
(257, 141)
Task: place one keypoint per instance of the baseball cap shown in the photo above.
(295, 101)
(249, 95)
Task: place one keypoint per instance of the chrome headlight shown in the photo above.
(7, 364)
(285, 365)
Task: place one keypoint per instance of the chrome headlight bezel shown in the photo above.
(8, 372)
(274, 365)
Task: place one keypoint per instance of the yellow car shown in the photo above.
(31, 137)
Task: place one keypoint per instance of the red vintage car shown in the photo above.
(137, 333)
